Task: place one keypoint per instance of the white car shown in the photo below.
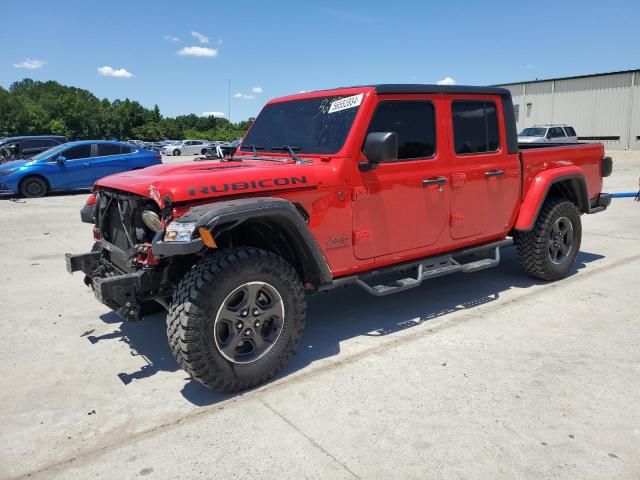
(186, 147)
(559, 133)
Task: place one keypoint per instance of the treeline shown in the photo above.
(34, 108)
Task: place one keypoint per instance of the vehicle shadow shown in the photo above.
(336, 316)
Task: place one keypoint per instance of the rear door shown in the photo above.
(572, 137)
(404, 204)
(485, 178)
(556, 135)
(107, 159)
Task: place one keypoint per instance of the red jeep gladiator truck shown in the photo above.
(378, 186)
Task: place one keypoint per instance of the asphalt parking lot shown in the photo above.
(489, 375)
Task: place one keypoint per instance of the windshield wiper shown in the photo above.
(291, 151)
(255, 149)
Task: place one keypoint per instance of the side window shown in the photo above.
(126, 149)
(80, 151)
(412, 121)
(105, 149)
(26, 144)
(475, 127)
(570, 131)
(195, 142)
(556, 132)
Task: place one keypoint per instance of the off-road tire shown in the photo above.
(176, 153)
(533, 246)
(33, 187)
(197, 299)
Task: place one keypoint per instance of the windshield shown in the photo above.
(50, 152)
(312, 125)
(533, 132)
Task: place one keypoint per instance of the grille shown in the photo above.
(120, 219)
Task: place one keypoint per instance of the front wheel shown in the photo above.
(548, 251)
(236, 318)
(32, 187)
(176, 153)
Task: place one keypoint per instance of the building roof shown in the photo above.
(569, 78)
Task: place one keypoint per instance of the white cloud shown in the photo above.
(220, 41)
(30, 63)
(302, 91)
(446, 81)
(244, 96)
(528, 66)
(108, 71)
(256, 89)
(213, 114)
(171, 38)
(200, 37)
(198, 52)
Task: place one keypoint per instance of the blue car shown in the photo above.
(72, 166)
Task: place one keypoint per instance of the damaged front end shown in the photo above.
(122, 269)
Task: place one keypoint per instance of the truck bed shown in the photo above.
(543, 156)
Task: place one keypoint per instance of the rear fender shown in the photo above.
(568, 180)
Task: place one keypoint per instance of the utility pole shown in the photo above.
(229, 108)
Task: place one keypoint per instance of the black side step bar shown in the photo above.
(430, 267)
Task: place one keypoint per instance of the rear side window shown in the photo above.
(34, 143)
(80, 151)
(125, 149)
(105, 149)
(556, 132)
(475, 127)
(414, 124)
(570, 132)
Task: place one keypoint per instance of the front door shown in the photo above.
(403, 204)
(75, 170)
(485, 178)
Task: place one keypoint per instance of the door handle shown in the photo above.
(434, 181)
(493, 173)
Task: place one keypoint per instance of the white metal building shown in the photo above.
(603, 107)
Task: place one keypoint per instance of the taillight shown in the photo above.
(92, 199)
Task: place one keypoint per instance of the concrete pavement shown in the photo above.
(486, 375)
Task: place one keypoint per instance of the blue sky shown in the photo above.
(269, 49)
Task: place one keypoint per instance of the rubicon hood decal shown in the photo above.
(261, 184)
(193, 181)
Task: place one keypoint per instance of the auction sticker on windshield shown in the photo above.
(345, 103)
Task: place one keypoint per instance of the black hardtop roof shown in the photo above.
(393, 88)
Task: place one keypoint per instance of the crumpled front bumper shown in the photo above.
(124, 292)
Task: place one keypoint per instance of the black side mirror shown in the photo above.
(60, 160)
(381, 147)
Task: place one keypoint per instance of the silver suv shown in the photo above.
(558, 133)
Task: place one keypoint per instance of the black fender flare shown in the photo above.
(231, 213)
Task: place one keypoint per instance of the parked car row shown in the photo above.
(72, 166)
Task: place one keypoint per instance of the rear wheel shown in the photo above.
(32, 187)
(203, 151)
(236, 318)
(176, 152)
(549, 250)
